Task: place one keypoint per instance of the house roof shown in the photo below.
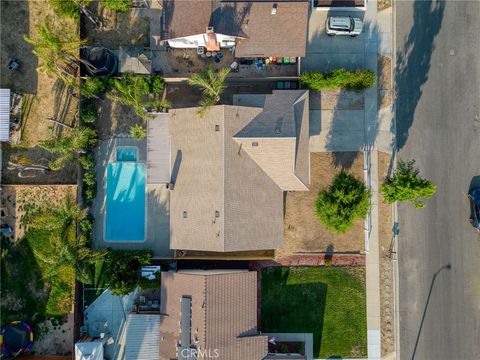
(261, 32)
(230, 173)
(4, 114)
(142, 336)
(223, 314)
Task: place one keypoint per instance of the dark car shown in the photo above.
(474, 197)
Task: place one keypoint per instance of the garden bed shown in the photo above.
(329, 302)
(303, 231)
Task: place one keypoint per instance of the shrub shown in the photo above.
(356, 80)
(87, 161)
(406, 185)
(346, 200)
(68, 8)
(92, 87)
(88, 112)
(89, 178)
(122, 269)
(117, 5)
(138, 131)
(86, 228)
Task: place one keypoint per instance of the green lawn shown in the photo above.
(329, 302)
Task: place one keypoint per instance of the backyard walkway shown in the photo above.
(310, 260)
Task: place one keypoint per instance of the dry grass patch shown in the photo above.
(385, 86)
(303, 231)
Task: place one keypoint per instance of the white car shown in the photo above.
(344, 25)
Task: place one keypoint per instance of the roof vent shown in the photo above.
(217, 127)
(274, 8)
(254, 143)
(217, 213)
(277, 131)
(185, 215)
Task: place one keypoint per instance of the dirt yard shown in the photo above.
(384, 81)
(115, 119)
(119, 29)
(386, 266)
(57, 337)
(303, 231)
(21, 18)
(34, 156)
(13, 197)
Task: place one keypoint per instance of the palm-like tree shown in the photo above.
(59, 53)
(69, 250)
(212, 84)
(139, 92)
(68, 147)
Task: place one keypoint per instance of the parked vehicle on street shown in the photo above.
(474, 197)
(344, 25)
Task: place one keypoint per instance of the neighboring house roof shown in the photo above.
(4, 114)
(264, 28)
(91, 350)
(222, 314)
(230, 169)
(142, 336)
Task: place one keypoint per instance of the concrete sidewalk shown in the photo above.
(353, 130)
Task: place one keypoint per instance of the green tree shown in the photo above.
(58, 53)
(68, 8)
(356, 80)
(88, 112)
(65, 249)
(139, 92)
(69, 146)
(121, 269)
(212, 85)
(92, 87)
(406, 185)
(120, 6)
(346, 200)
(138, 131)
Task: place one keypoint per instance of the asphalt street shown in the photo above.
(438, 125)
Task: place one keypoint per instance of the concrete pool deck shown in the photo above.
(157, 204)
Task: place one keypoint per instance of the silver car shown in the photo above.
(344, 25)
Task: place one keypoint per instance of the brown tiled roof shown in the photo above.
(228, 194)
(224, 313)
(260, 32)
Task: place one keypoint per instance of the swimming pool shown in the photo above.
(126, 153)
(125, 202)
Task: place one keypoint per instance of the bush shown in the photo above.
(87, 161)
(122, 269)
(68, 8)
(88, 112)
(86, 228)
(92, 87)
(138, 131)
(406, 185)
(117, 5)
(346, 200)
(338, 79)
(89, 188)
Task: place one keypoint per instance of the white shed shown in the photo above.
(4, 114)
(89, 350)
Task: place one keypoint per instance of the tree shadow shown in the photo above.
(281, 302)
(413, 63)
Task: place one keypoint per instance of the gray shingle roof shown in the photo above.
(223, 313)
(228, 193)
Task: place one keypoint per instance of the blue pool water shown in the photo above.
(126, 153)
(125, 203)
